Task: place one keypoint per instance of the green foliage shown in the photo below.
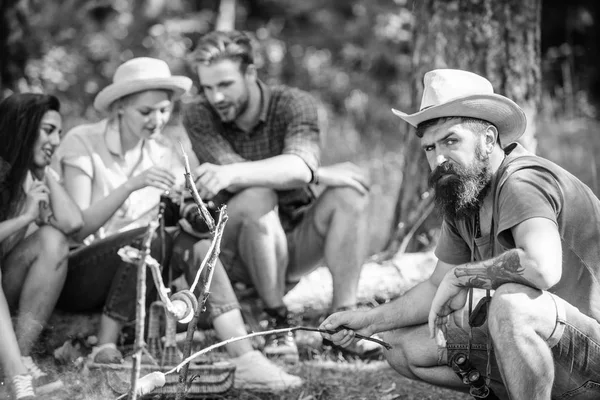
(354, 56)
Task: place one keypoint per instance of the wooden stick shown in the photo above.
(140, 311)
(155, 380)
(189, 181)
(251, 335)
(210, 264)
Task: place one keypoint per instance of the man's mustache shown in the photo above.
(441, 170)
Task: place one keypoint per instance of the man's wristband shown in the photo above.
(315, 177)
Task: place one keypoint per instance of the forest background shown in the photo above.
(359, 58)
(355, 57)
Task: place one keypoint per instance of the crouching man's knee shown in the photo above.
(515, 307)
(399, 357)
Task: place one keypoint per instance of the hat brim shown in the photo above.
(505, 114)
(176, 84)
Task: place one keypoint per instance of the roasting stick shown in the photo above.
(155, 380)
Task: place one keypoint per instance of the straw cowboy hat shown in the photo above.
(137, 75)
(456, 93)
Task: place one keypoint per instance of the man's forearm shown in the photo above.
(410, 309)
(512, 266)
(286, 171)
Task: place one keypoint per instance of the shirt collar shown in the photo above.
(265, 98)
(112, 138)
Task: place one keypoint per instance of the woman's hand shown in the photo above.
(36, 196)
(154, 176)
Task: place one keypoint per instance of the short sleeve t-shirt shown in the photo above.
(527, 186)
(95, 149)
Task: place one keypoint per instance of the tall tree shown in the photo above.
(496, 39)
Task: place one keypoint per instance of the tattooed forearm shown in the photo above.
(489, 274)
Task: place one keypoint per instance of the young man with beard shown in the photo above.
(259, 148)
(515, 226)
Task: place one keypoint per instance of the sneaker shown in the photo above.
(106, 353)
(280, 345)
(255, 372)
(22, 387)
(43, 382)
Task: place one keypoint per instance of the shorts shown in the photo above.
(575, 346)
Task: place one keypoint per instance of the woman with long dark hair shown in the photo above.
(36, 215)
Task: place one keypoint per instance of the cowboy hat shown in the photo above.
(140, 74)
(457, 93)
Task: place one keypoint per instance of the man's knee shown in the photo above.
(252, 203)
(515, 306)
(400, 357)
(345, 199)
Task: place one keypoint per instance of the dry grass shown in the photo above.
(325, 378)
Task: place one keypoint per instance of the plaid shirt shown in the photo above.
(288, 124)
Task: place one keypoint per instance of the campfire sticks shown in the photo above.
(209, 261)
(191, 186)
(156, 379)
(140, 311)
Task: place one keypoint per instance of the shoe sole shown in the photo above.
(264, 388)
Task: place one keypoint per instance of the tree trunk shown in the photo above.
(499, 40)
(226, 17)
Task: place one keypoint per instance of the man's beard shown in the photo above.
(237, 107)
(459, 191)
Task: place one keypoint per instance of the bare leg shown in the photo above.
(340, 220)
(521, 319)
(228, 323)
(415, 355)
(109, 330)
(231, 324)
(10, 357)
(254, 228)
(34, 275)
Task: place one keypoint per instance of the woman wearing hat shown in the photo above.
(116, 170)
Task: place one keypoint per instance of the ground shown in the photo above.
(326, 374)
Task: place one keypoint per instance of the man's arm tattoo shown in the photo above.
(489, 274)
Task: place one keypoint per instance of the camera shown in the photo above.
(177, 206)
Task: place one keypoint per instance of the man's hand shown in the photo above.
(212, 178)
(449, 297)
(344, 174)
(37, 195)
(354, 321)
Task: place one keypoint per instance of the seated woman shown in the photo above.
(36, 214)
(116, 170)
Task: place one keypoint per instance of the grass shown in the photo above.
(327, 375)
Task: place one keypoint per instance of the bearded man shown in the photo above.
(513, 304)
